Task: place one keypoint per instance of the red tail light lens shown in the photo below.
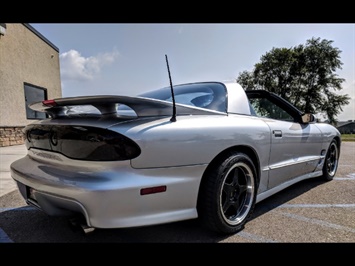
(49, 103)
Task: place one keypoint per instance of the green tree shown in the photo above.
(304, 75)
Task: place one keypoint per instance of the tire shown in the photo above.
(228, 194)
(331, 161)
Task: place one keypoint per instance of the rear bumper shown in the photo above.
(108, 194)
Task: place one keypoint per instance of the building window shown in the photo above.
(34, 94)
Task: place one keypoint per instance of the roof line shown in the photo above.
(41, 36)
(345, 124)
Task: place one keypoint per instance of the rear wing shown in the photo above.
(108, 105)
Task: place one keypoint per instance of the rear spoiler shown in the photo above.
(107, 105)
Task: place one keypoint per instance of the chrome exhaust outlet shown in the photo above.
(87, 229)
(78, 223)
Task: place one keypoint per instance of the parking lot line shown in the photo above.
(317, 206)
(316, 221)
(255, 237)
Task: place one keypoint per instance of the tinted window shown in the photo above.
(265, 108)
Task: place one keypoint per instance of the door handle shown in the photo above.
(277, 133)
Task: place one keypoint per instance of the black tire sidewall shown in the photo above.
(222, 170)
(326, 175)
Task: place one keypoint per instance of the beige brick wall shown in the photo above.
(11, 136)
(24, 57)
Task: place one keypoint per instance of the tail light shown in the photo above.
(82, 142)
(49, 103)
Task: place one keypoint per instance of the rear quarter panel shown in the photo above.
(195, 140)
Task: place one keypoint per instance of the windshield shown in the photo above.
(209, 95)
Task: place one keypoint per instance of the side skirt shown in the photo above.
(282, 186)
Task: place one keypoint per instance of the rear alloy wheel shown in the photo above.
(228, 194)
(331, 161)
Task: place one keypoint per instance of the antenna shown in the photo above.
(173, 118)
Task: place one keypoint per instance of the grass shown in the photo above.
(348, 137)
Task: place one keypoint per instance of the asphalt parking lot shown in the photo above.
(311, 211)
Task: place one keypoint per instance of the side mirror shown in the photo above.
(308, 118)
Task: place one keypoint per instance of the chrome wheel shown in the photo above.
(237, 193)
(332, 159)
(228, 193)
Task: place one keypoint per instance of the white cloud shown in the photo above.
(74, 66)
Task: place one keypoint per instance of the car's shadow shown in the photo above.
(29, 225)
(286, 195)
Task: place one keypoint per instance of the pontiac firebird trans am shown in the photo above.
(208, 151)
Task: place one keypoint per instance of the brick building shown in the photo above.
(29, 72)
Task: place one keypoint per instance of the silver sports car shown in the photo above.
(206, 150)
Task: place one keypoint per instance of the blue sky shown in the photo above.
(129, 58)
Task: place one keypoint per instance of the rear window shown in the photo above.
(209, 95)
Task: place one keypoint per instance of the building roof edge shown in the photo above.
(41, 36)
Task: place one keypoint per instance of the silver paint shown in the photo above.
(173, 154)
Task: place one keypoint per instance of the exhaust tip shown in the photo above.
(78, 224)
(87, 229)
